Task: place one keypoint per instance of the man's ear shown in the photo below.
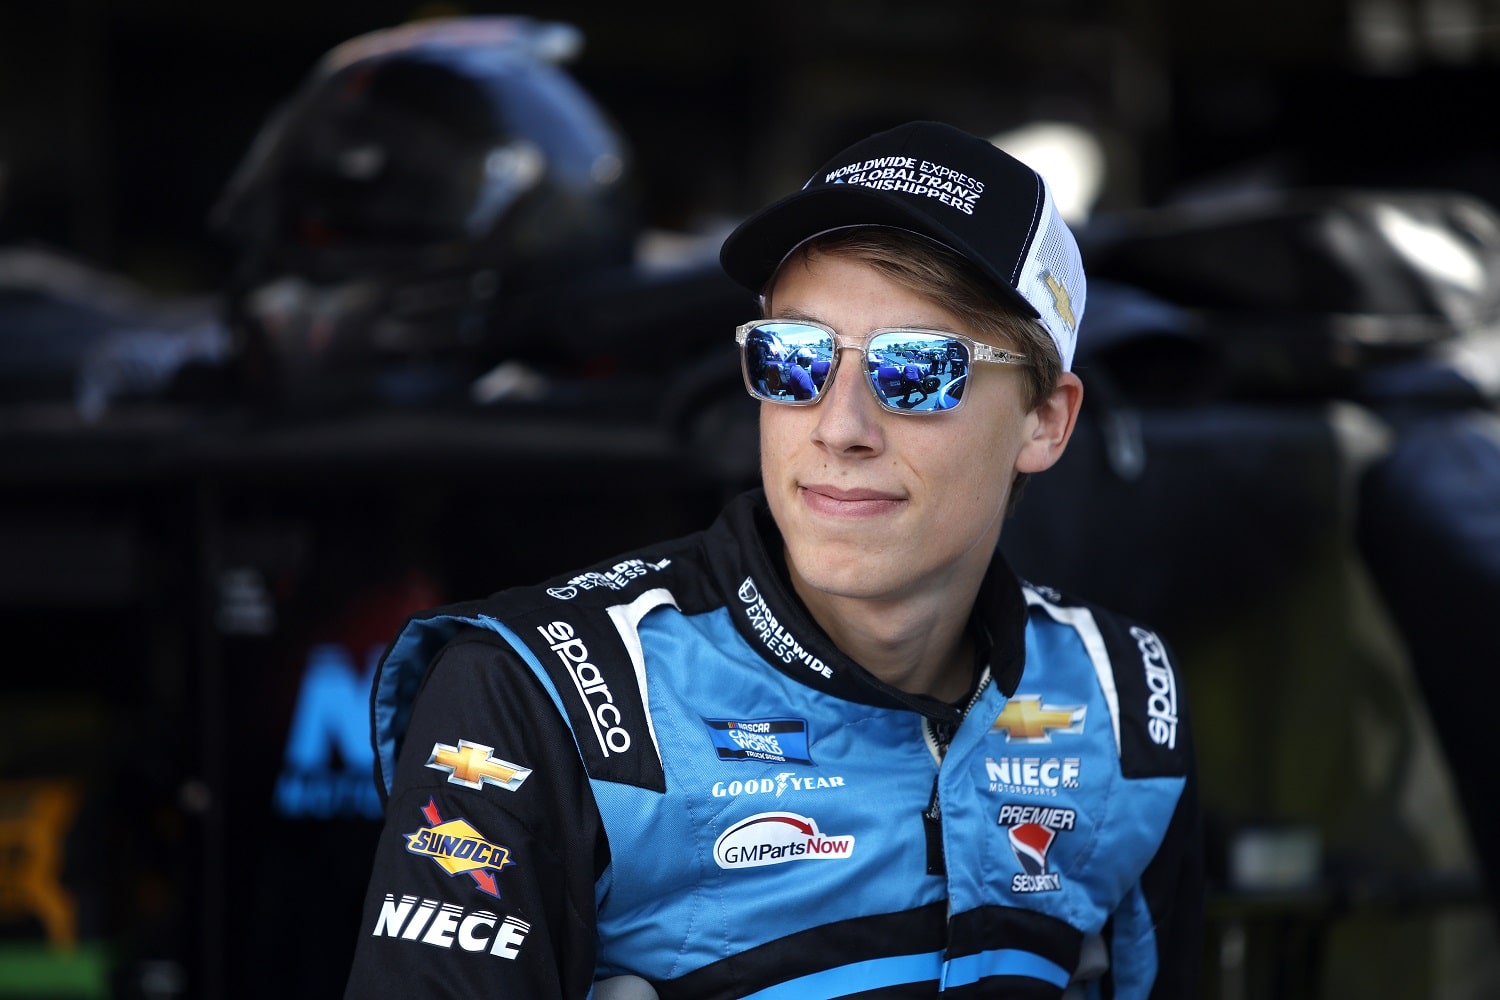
(1052, 425)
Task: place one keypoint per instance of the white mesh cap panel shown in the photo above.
(1052, 279)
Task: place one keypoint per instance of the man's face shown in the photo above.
(876, 505)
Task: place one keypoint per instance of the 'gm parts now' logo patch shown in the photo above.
(1032, 831)
(774, 838)
(459, 849)
(781, 741)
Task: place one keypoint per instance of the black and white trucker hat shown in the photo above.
(943, 183)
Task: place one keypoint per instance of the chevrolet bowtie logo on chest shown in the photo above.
(472, 765)
(1026, 720)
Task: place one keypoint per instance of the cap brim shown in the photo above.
(755, 249)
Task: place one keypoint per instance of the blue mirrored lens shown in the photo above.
(917, 372)
(787, 362)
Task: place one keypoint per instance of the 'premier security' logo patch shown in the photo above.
(1032, 829)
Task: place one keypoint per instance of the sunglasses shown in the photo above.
(910, 370)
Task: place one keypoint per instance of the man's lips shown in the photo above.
(838, 502)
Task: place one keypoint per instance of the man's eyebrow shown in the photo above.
(803, 315)
(794, 314)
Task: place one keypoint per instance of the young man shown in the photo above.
(830, 746)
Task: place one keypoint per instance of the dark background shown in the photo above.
(165, 576)
(121, 121)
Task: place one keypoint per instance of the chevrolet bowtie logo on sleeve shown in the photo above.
(472, 765)
(1026, 720)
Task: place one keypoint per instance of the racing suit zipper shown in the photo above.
(938, 735)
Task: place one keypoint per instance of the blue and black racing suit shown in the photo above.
(662, 767)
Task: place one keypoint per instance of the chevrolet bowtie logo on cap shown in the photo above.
(1060, 299)
(1026, 720)
(472, 765)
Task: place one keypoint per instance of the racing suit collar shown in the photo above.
(775, 622)
(1000, 615)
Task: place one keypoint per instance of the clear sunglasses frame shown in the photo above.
(977, 352)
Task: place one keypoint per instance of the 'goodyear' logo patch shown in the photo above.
(459, 849)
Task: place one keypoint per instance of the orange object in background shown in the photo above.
(35, 817)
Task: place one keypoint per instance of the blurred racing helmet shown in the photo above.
(394, 216)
